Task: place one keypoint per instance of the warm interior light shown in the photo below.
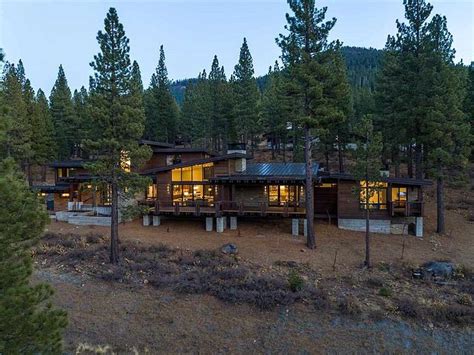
(65, 194)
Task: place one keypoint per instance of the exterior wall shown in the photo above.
(249, 194)
(376, 226)
(348, 206)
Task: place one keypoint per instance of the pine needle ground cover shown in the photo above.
(389, 291)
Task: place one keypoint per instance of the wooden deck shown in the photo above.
(224, 208)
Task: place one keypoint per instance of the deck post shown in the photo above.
(219, 224)
(156, 220)
(305, 227)
(146, 220)
(233, 222)
(209, 224)
(224, 218)
(419, 227)
(295, 226)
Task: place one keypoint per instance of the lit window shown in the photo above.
(197, 173)
(273, 194)
(177, 193)
(65, 194)
(399, 196)
(186, 174)
(125, 163)
(176, 175)
(151, 191)
(377, 195)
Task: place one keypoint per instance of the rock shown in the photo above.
(302, 250)
(229, 248)
(438, 269)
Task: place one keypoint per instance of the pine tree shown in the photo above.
(367, 170)
(83, 122)
(309, 58)
(64, 119)
(160, 106)
(43, 143)
(28, 323)
(15, 129)
(118, 120)
(246, 96)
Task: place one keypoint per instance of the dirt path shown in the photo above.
(147, 319)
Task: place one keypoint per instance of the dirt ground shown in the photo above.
(128, 317)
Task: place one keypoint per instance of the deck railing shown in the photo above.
(219, 208)
(406, 208)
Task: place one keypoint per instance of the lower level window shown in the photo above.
(281, 194)
(188, 194)
(377, 195)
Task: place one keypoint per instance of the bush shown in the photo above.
(375, 282)
(349, 305)
(192, 282)
(114, 274)
(465, 300)
(93, 238)
(452, 313)
(409, 308)
(295, 281)
(385, 292)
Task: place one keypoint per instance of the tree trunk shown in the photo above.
(418, 162)
(440, 228)
(341, 157)
(114, 249)
(367, 225)
(396, 162)
(410, 161)
(309, 192)
(326, 155)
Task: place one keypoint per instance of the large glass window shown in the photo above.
(151, 192)
(187, 193)
(281, 194)
(399, 196)
(177, 193)
(377, 195)
(192, 173)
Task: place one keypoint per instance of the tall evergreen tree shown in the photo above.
(118, 118)
(64, 119)
(15, 129)
(420, 97)
(367, 170)
(246, 96)
(308, 56)
(83, 122)
(28, 323)
(160, 106)
(43, 143)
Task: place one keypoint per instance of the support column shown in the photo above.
(225, 222)
(209, 224)
(219, 224)
(156, 220)
(305, 227)
(419, 227)
(233, 223)
(295, 227)
(146, 220)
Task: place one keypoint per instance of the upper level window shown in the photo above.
(377, 195)
(200, 172)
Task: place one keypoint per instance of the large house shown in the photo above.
(222, 188)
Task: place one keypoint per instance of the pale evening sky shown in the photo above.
(45, 34)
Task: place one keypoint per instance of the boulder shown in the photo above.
(438, 269)
(229, 248)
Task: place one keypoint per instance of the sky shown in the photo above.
(45, 34)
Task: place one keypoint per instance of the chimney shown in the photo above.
(240, 148)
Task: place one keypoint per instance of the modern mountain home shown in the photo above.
(190, 182)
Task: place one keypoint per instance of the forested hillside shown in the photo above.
(362, 65)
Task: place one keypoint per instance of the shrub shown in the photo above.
(409, 308)
(94, 238)
(349, 305)
(452, 313)
(319, 298)
(114, 274)
(465, 300)
(192, 282)
(295, 281)
(385, 292)
(161, 249)
(375, 282)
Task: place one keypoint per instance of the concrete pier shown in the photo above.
(305, 227)
(146, 220)
(156, 221)
(219, 224)
(233, 223)
(295, 223)
(419, 227)
(209, 224)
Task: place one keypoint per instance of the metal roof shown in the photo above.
(278, 169)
